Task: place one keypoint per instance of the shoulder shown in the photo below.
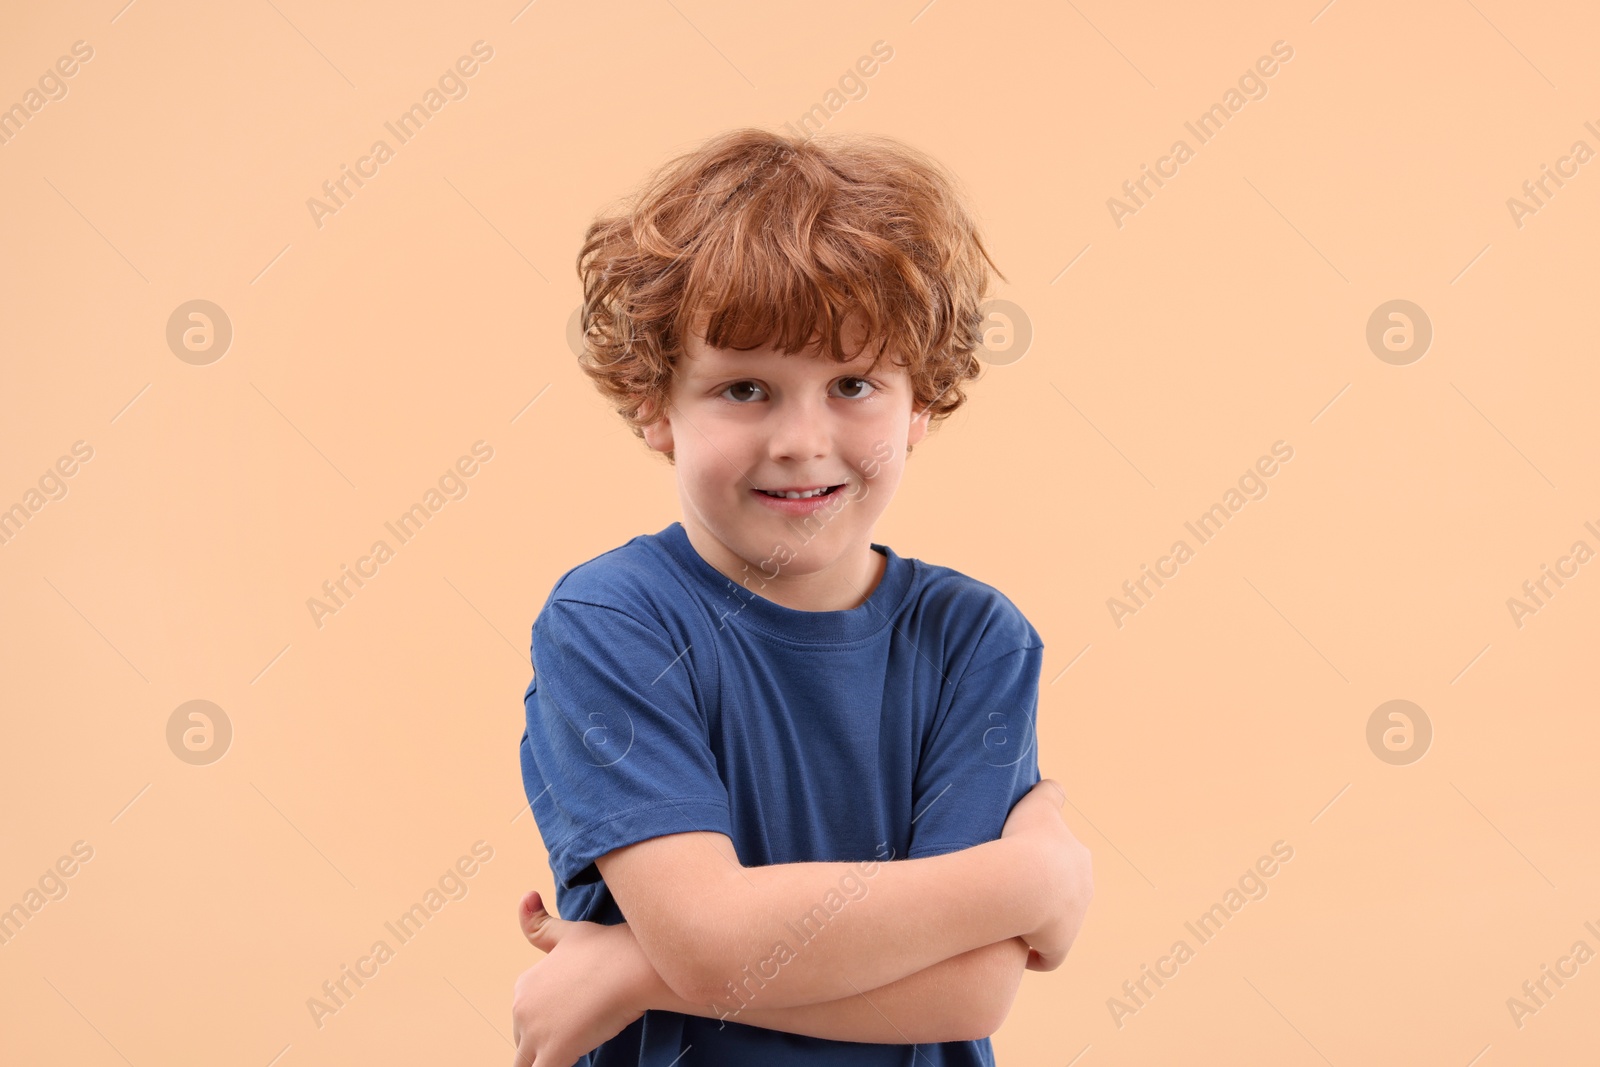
(636, 579)
(971, 613)
(613, 574)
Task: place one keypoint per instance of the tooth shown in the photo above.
(792, 495)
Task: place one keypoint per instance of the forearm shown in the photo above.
(899, 918)
(962, 998)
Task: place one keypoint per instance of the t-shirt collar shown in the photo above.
(733, 604)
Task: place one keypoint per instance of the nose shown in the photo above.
(800, 428)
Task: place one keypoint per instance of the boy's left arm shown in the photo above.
(964, 998)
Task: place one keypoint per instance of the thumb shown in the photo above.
(542, 929)
(1058, 791)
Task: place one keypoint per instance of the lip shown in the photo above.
(798, 507)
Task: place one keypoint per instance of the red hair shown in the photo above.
(764, 238)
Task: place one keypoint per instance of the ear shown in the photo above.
(918, 429)
(657, 433)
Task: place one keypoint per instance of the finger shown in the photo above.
(524, 1054)
(1060, 792)
(542, 929)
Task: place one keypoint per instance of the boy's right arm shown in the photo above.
(702, 918)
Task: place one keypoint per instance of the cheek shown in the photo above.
(715, 481)
(888, 479)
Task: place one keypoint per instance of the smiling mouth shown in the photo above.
(798, 494)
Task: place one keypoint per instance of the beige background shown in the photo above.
(1229, 312)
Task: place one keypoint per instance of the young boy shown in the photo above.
(787, 778)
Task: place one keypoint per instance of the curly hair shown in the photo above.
(758, 238)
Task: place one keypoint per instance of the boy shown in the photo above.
(786, 777)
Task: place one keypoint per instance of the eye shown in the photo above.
(739, 385)
(859, 382)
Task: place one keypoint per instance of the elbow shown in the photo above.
(717, 969)
(691, 964)
(978, 1000)
(692, 948)
(679, 975)
(1006, 961)
(989, 1023)
(686, 969)
(981, 1020)
(700, 978)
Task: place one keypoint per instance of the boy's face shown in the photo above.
(742, 421)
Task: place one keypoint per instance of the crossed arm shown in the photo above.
(933, 942)
(963, 998)
(921, 950)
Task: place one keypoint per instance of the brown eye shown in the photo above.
(846, 384)
(740, 385)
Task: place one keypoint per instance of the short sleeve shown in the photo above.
(616, 747)
(982, 757)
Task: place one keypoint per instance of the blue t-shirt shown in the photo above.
(667, 698)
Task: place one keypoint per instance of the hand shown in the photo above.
(582, 994)
(1068, 872)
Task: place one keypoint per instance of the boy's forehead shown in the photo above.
(854, 334)
(700, 360)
